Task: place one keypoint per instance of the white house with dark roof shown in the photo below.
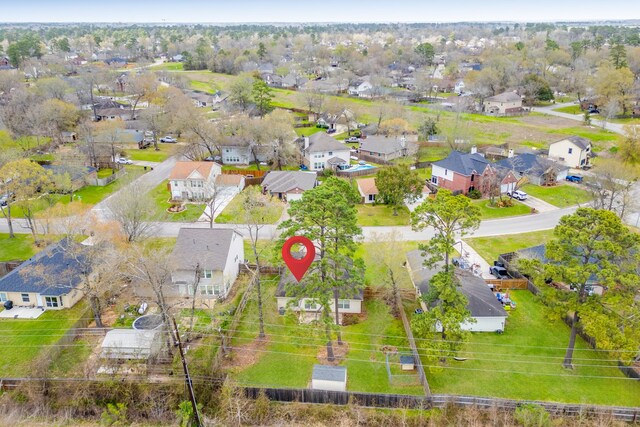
(322, 151)
(486, 310)
(574, 151)
(214, 255)
(289, 185)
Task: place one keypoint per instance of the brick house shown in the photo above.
(503, 104)
(463, 172)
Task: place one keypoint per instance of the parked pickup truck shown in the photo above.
(574, 178)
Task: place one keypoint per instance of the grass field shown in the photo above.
(168, 66)
(562, 196)
(526, 363)
(377, 215)
(490, 212)
(490, 247)
(234, 211)
(161, 198)
(19, 248)
(24, 340)
(288, 356)
(150, 154)
(571, 109)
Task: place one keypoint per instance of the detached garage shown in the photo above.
(330, 378)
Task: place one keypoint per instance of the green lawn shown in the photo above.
(24, 340)
(526, 363)
(234, 211)
(490, 212)
(287, 359)
(377, 215)
(594, 134)
(309, 131)
(168, 66)
(490, 247)
(571, 109)
(149, 154)
(161, 198)
(562, 196)
(374, 271)
(19, 248)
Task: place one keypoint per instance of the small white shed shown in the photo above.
(331, 378)
(130, 344)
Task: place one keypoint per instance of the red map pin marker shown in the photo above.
(298, 266)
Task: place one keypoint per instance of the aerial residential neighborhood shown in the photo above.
(319, 214)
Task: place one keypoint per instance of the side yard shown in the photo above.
(493, 212)
(234, 211)
(490, 247)
(526, 363)
(161, 196)
(562, 195)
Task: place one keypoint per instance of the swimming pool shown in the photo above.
(356, 168)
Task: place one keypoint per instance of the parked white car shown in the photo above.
(123, 161)
(518, 195)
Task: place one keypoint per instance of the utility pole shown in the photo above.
(187, 377)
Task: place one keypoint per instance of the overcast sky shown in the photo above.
(220, 11)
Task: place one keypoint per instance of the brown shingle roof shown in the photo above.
(368, 186)
(182, 170)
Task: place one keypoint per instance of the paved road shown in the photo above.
(613, 127)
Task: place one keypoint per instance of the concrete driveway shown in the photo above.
(538, 204)
(225, 195)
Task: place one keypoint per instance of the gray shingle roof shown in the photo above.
(52, 272)
(530, 164)
(505, 97)
(320, 141)
(287, 280)
(207, 247)
(381, 144)
(329, 373)
(463, 163)
(580, 142)
(481, 301)
(283, 181)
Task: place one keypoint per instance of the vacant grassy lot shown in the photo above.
(562, 196)
(17, 249)
(571, 109)
(161, 198)
(526, 363)
(287, 357)
(150, 154)
(234, 211)
(491, 212)
(168, 66)
(24, 340)
(490, 247)
(377, 215)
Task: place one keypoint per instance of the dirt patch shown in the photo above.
(339, 353)
(247, 355)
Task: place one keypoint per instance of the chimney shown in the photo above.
(403, 142)
(510, 153)
(474, 149)
(306, 142)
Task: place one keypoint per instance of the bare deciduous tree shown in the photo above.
(133, 209)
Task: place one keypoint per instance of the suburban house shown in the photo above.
(51, 279)
(235, 151)
(113, 114)
(79, 175)
(201, 99)
(322, 151)
(349, 302)
(463, 172)
(574, 151)
(505, 103)
(289, 185)
(368, 190)
(360, 88)
(386, 148)
(193, 180)
(486, 310)
(510, 261)
(536, 169)
(214, 255)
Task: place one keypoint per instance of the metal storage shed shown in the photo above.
(130, 344)
(331, 378)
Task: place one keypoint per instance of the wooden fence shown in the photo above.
(363, 172)
(376, 400)
(374, 159)
(8, 266)
(245, 172)
(508, 284)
